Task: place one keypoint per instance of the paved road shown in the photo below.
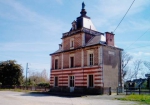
(20, 98)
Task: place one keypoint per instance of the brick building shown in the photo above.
(87, 60)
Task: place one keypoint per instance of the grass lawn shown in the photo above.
(140, 98)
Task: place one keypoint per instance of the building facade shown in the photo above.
(87, 60)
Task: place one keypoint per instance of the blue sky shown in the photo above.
(31, 29)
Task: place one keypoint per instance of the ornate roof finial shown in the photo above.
(83, 5)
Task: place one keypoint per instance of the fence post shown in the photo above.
(109, 90)
(117, 90)
(139, 90)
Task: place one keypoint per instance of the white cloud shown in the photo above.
(20, 13)
(109, 13)
(140, 54)
(28, 47)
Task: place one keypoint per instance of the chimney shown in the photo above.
(110, 39)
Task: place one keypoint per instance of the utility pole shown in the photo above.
(26, 74)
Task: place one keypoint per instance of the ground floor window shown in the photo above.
(71, 78)
(90, 81)
(56, 81)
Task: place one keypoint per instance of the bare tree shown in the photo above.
(147, 64)
(126, 58)
(39, 77)
(137, 67)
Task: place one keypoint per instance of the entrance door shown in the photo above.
(71, 83)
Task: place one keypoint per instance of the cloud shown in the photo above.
(140, 54)
(109, 13)
(20, 13)
(28, 47)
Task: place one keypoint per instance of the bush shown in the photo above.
(43, 84)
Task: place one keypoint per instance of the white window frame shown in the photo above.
(91, 59)
(88, 57)
(69, 80)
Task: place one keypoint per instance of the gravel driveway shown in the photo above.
(20, 98)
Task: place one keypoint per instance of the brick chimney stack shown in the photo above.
(110, 39)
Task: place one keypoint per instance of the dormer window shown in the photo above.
(71, 43)
(74, 27)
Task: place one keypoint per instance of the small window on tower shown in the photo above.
(74, 25)
(56, 63)
(71, 43)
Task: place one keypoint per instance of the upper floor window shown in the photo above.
(71, 62)
(56, 63)
(91, 59)
(71, 43)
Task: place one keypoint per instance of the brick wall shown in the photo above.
(110, 39)
(78, 58)
(52, 61)
(66, 43)
(59, 61)
(77, 41)
(85, 57)
(96, 56)
(66, 60)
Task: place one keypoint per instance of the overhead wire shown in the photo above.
(138, 38)
(124, 16)
(139, 47)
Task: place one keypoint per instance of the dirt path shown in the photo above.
(20, 98)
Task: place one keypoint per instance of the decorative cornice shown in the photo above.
(86, 30)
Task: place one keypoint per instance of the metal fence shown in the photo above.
(31, 88)
(129, 91)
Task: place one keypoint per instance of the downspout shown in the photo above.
(62, 69)
(121, 72)
(82, 63)
(101, 64)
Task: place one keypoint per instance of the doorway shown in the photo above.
(71, 83)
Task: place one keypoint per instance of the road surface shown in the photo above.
(21, 98)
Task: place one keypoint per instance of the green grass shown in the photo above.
(140, 98)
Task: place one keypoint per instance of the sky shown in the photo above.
(30, 30)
